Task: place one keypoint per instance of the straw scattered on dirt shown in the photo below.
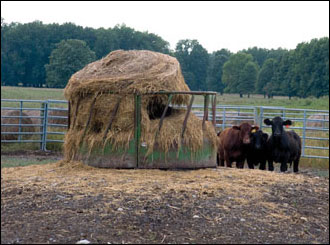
(65, 203)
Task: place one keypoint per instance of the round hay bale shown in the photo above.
(60, 113)
(15, 128)
(324, 121)
(34, 114)
(130, 72)
(125, 73)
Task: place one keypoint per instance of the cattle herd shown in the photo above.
(248, 143)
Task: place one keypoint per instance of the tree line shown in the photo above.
(39, 55)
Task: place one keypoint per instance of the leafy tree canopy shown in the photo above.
(67, 58)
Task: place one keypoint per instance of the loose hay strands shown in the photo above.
(112, 116)
(187, 116)
(170, 136)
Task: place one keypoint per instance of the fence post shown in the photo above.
(304, 135)
(20, 121)
(137, 127)
(224, 118)
(41, 130)
(283, 114)
(256, 115)
(261, 115)
(44, 127)
(238, 114)
(206, 110)
(214, 113)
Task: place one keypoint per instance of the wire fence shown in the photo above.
(46, 121)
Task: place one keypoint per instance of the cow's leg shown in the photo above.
(221, 158)
(284, 166)
(295, 165)
(250, 164)
(222, 162)
(240, 164)
(228, 162)
(262, 165)
(270, 165)
(218, 159)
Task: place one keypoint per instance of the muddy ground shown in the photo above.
(67, 202)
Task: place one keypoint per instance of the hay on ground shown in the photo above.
(58, 113)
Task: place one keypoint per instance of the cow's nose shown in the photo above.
(277, 134)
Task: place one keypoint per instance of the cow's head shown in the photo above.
(277, 125)
(245, 132)
(258, 139)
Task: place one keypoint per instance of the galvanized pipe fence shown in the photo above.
(49, 121)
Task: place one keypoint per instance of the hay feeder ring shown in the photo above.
(147, 146)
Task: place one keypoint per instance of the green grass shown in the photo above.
(7, 161)
(278, 101)
(225, 99)
(31, 93)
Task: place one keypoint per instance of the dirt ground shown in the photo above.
(65, 203)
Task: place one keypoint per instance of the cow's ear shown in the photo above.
(236, 127)
(267, 121)
(265, 136)
(287, 122)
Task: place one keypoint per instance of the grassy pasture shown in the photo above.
(226, 99)
(31, 93)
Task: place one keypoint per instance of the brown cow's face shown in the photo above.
(245, 132)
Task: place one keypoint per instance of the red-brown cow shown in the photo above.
(234, 143)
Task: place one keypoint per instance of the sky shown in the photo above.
(231, 25)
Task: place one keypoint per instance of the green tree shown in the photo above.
(259, 54)
(318, 84)
(106, 41)
(68, 57)
(265, 75)
(232, 71)
(248, 78)
(214, 74)
(194, 60)
(23, 48)
(282, 75)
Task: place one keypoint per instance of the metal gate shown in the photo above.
(311, 125)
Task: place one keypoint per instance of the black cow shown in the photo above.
(257, 152)
(283, 147)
